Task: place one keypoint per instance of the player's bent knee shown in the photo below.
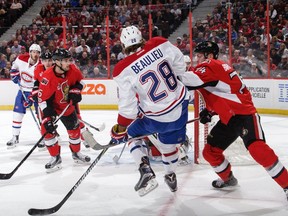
(262, 153)
(213, 155)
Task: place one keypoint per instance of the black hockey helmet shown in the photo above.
(207, 47)
(46, 55)
(60, 54)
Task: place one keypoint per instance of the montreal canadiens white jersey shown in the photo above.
(148, 83)
(26, 71)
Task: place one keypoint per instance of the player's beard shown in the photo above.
(34, 59)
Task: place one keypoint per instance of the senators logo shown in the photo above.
(64, 88)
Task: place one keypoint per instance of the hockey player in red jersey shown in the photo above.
(227, 96)
(47, 62)
(150, 71)
(22, 74)
(61, 85)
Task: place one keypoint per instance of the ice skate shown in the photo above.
(54, 164)
(171, 181)
(286, 192)
(219, 183)
(147, 181)
(12, 143)
(80, 158)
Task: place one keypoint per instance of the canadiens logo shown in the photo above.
(26, 77)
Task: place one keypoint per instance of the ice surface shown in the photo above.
(109, 188)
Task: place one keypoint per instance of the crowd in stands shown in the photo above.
(10, 11)
(87, 41)
(249, 35)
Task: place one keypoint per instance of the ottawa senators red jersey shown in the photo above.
(38, 72)
(55, 89)
(222, 89)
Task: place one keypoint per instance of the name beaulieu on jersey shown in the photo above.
(147, 60)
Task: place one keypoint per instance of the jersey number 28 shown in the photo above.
(163, 75)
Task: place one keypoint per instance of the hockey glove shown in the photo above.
(75, 95)
(34, 95)
(118, 137)
(205, 116)
(15, 76)
(27, 103)
(49, 125)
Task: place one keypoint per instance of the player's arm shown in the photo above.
(201, 78)
(14, 72)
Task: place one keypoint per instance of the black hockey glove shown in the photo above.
(75, 93)
(49, 125)
(205, 116)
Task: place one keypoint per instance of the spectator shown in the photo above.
(16, 48)
(179, 43)
(3, 61)
(121, 55)
(102, 69)
(276, 59)
(82, 46)
(283, 65)
(84, 58)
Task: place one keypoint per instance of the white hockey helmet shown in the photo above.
(130, 36)
(35, 47)
(187, 59)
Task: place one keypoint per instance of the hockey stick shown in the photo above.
(34, 211)
(99, 129)
(97, 146)
(27, 101)
(9, 175)
(116, 158)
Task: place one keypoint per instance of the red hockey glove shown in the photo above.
(205, 116)
(117, 136)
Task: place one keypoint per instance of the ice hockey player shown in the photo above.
(60, 86)
(22, 74)
(46, 60)
(150, 71)
(227, 96)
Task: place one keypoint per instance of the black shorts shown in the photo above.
(70, 122)
(248, 127)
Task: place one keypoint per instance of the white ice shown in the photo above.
(109, 188)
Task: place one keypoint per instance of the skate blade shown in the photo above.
(227, 188)
(151, 185)
(80, 162)
(54, 169)
(11, 146)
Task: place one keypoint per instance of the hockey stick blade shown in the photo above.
(97, 146)
(116, 159)
(99, 129)
(34, 211)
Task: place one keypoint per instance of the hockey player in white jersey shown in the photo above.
(22, 74)
(151, 100)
